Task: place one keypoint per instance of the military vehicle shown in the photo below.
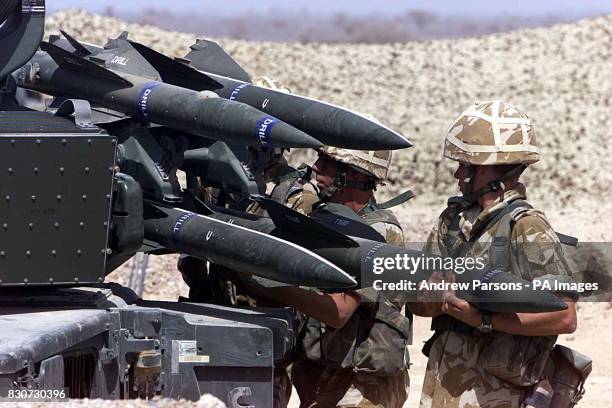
(92, 180)
(70, 216)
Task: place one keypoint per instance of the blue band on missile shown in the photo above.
(236, 91)
(180, 221)
(264, 128)
(142, 103)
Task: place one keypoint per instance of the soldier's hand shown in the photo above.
(429, 302)
(459, 308)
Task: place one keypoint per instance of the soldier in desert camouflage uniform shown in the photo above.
(479, 359)
(359, 359)
(356, 341)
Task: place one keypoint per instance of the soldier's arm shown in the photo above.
(536, 254)
(428, 306)
(524, 324)
(332, 309)
(537, 324)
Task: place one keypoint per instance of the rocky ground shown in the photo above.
(561, 76)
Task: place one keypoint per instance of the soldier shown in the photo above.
(355, 352)
(476, 358)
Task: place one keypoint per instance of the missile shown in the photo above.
(356, 255)
(143, 95)
(259, 254)
(331, 124)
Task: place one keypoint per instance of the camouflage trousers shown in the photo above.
(326, 387)
(455, 380)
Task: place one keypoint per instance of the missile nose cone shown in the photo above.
(285, 135)
(318, 272)
(268, 130)
(374, 135)
(396, 141)
(354, 130)
(334, 278)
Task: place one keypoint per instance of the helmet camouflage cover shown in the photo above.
(492, 133)
(374, 163)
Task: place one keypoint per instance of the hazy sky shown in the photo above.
(360, 7)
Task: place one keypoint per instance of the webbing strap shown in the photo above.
(395, 201)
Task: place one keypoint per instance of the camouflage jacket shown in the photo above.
(476, 369)
(374, 340)
(286, 186)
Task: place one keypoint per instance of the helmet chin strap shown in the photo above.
(341, 182)
(471, 197)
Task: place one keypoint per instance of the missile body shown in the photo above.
(154, 101)
(356, 255)
(241, 249)
(331, 124)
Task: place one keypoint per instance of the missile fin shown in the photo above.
(346, 221)
(79, 49)
(120, 55)
(210, 57)
(287, 219)
(174, 72)
(73, 62)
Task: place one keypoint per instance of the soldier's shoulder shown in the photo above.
(392, 232)
(302, 197)
(454, 205)
(534, 224)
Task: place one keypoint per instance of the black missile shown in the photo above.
(58, 72)
(356, 256)
(259, 254)
(331, 124)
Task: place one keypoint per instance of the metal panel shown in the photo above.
(55, 194)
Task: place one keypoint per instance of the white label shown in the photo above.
(188, 352)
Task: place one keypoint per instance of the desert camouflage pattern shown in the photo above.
(374, 162)
(490, 133)
(386, 224)
(327, 387)
(496, 369)
(301, 196)
(391, 232)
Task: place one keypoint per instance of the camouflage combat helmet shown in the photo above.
(373, 163)
(492, 133)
